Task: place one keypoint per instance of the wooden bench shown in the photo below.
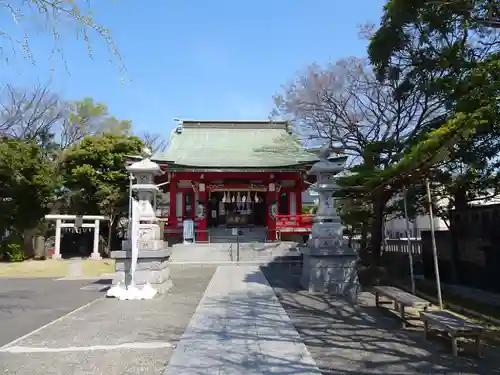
(455, 326)
(401, 300)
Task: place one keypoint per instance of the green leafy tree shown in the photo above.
(356, 216)
(26, 185)
(447, 50)
(344, 105)
(39, 115)
(94, 171)
(87, 117)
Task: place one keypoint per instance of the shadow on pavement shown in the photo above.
(346, 339)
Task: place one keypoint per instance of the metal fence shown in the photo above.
(395, 257)
(398, 246)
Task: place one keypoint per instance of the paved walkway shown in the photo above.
(26, 304)
(111, 337)
(364, 339)
(240, 327)
(228, 320)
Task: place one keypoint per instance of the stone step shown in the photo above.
(234, 240)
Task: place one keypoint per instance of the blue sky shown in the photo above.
(195, 59)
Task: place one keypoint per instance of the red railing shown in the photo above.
(294, 223)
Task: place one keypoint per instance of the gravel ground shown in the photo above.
(73, 345)
(364, 340)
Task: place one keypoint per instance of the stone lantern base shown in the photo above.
(152, 268)
(334, 274)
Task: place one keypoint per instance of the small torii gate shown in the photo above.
(76, 222)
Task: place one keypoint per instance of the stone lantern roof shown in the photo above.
(329, 162)
(145, 165)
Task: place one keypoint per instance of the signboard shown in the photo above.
(188, 231)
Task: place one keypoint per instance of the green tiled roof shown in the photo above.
(234, 144)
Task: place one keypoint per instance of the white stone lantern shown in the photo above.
(144, 173)
(329, 265)
(149, 267)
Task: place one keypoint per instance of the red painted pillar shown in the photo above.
(202, 212)
(272, 211)
(172, 218)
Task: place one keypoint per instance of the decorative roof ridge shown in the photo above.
(235, 124)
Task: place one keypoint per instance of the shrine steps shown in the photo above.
(247, 235)
(227, 253)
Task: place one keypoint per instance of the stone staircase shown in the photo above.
(248, 235)
(251, 252)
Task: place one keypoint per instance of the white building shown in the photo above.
(396, 227)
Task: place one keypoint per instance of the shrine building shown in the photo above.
(225, 174)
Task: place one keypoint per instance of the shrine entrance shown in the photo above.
(236, 209)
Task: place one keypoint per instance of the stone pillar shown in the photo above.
(329, 265)
(95, 250)
(154, 254)
(57, 245)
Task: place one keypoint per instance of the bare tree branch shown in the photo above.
(343, 104)
(52, 16)
(155, 142)
(29, 115)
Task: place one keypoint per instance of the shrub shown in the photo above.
(11, 248)
(371, 275)
(14, 252)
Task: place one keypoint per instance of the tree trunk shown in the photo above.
(363, 244)
(28, 243)
(460, 200)
(460, 205)
(364, 235)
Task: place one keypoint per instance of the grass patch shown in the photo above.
(487, 309)
(98, 267)
(55, 268)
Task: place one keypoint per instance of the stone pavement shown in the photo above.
(28, 303)
(349, 340)
(228, 320)
(240, 328)
(111, 337)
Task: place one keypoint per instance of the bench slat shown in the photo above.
(401, 296)
(450, 322)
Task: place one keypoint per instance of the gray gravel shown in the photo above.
(364, 340)
(113, 322)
